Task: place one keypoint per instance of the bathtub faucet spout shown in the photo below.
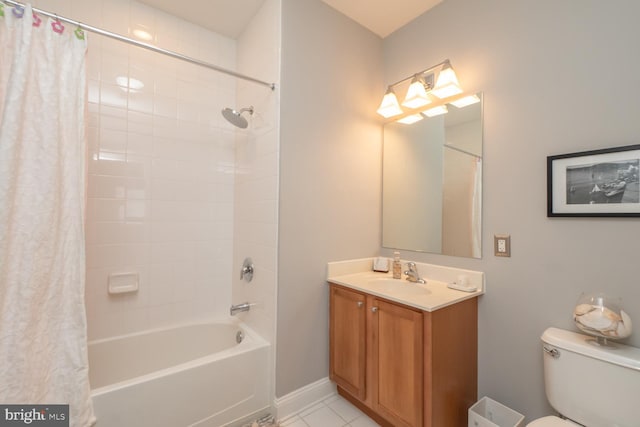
(235, 309)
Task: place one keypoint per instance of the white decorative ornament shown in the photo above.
(602, 317)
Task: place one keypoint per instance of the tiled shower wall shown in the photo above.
(161, 169)
(256, 187)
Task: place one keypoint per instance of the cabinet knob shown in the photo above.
(374, 309)
(360, 304)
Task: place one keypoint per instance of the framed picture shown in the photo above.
(598, 183)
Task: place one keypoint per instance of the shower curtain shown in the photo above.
(476, 209)
(43, 342)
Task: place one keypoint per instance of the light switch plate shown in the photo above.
(502, 245)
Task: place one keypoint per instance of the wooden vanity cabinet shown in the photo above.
(451, 363)
(400, 365)
(348, 337)
(396, 362)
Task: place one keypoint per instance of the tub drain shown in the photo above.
(239, 336)
(265, 421)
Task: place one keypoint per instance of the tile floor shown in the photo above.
(333, 411)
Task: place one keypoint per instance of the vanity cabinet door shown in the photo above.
(397, 358)
(347, 334)
(451, 363)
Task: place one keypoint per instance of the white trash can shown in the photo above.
(487, 412)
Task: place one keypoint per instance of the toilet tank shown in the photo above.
(593, 385)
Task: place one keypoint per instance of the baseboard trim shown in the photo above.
(303, 397)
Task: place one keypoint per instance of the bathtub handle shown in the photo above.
(247, 270)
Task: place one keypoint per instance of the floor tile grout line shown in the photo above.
(319, 405)
(347, 423)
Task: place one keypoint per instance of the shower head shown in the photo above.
(235, 117)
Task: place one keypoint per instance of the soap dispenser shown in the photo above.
(397, 266)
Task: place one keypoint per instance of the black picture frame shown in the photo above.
(596, 183)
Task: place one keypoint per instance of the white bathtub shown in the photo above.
(191, 375)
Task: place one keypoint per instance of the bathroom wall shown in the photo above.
(557, 78)
(330, 145)
(161, 170)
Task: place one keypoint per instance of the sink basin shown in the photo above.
(400, 287)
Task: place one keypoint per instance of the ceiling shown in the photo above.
(382, 17)
(226, 17)
(230, 17)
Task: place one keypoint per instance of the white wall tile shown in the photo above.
(165, 106)
(256, 187)
(88, 12)
(166, 84)
(141, 102)
(112, 95)
(144, 17)
(113, 141)
(162, 176)
(138, 210)
(117, 257)
(137, 166)
(114, 65)
(100, 210)
(139, 124)
(115, 16)
(161, 315)
(139, 143)
(61, 7)
(134, 320)
(93, 89)
(114, 118)
(143, 60)
(93, 113)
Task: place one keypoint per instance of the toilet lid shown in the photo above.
(551, 422)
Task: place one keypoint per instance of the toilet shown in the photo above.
(589, 384)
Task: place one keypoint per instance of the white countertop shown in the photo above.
(358, 275)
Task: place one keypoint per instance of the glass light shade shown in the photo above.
(416, 94)
(436, 111)
(467, 100)
(389, 106)
(447, 83)
(411, 119)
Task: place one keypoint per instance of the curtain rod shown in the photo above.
(462, 151)
(433, 67)
(144, 45)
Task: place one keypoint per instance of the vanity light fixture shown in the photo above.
(427, 95)
(389, 106)
(467, 100)
(417, 95)
(436, 111)
(447, 83)
(411, 119)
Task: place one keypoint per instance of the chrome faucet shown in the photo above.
(412, 273)
(235, 309)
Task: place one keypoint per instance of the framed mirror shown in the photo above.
(432, 183)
